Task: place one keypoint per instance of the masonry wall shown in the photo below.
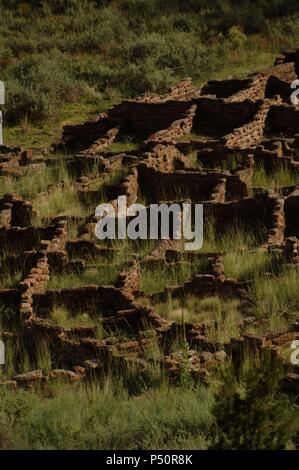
(144, 119)
(289, 57)
(291, 214)
(283, 118)
(217, 114)
(250, 133)
(257, 86)
(225, 88)
(198, 186)
(252, 214)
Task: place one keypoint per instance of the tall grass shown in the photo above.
(33, 182)
(100, 274)
(248, 265)
(126, 144)
(220, 317)
(234, 238)
(106, 417)
(277, 295)
(274, 180)
(157, 278)
(63, 317)
(9, 279)
(225, 324)
(59, 200)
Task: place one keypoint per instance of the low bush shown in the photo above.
(51, 50)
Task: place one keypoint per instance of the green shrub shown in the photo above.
(106, 417)
(37, 85)
(250, 412)
(131, 46)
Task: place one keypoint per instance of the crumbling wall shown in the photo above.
(287, 58)
(184, 90)
(161, 157)
(176, 129)
(252, 132)
(198, 186)
(291, 213)
(283, 119)
(255, 214)
(257, 86)
(214, 114)
(192, 184)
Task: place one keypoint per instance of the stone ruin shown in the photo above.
(229, 127)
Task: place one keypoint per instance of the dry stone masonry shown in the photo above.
(202, 145)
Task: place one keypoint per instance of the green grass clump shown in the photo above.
(233, 238)
(9, 279)
(225, 324)
(81, 46)
(33, 182)
(63, 317)
(106, 417)
(155, 279)
(105, 274)
(274, 180)
(249, 265)
(126, 144)
(276, 295)
(60, 200)
(220, 317)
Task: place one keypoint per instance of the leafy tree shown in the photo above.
(250, 412)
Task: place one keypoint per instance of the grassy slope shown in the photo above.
(106, 416)
(62, 66)
(40, 136)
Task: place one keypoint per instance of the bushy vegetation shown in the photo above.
(106, 417)
(244, 409)
(96, 274)
(31, 183)
(251, 413)
(56, 52)
(274, 180)
(156, 279)
(277, 295)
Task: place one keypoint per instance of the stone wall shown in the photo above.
(106, 299)
(82, 136)
(220, 109)
(198, 186)
(291, 213)
(205, 285)
(252, 132)
(252, 214)
(225, 88)
(283, 118)
(214, 115)
(257, 86)
(177, 129)
(192, 184)
(14, 211)
(184, 90)
(289, 57)
(161, 157)
(39, 274)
